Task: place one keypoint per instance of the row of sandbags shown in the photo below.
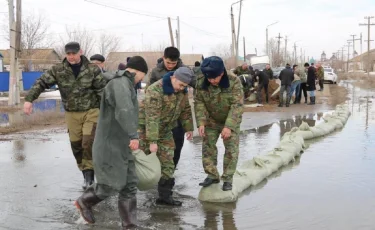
(291, 145)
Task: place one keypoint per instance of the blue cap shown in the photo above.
(212, 67)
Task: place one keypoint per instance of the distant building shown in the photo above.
(323, 57)
(33, 59)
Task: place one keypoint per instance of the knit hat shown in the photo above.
(137, 63)
(212, 67)
(184, 74)
(121, 66)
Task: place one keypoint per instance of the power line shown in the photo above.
(204, 31)
(128, 11)
(103, 29)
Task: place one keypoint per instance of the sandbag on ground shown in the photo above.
(252, 172)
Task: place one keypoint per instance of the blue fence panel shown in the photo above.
(28, 78)
(4, 81)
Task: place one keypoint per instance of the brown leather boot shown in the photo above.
(85, 202)
(128, 213)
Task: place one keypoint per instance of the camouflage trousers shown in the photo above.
(209, 152)
(165, 152)
(81, 129)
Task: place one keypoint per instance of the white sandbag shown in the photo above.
(148, 170)
(291, 145)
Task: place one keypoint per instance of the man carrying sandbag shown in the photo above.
(116, 137)
(165, 103)
(219, 108)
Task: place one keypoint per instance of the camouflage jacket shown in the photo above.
(77, 94)
(320, 73)
(221, 104)
(161, 109)
(239, 71)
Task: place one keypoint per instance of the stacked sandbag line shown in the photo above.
(252, 172)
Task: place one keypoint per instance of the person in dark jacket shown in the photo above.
(263, 80)
(116, 136)
(171, 62)
(268, 71)
(287, 77)
(311, 79)
(98, 60)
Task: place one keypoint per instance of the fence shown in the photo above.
(27, 77)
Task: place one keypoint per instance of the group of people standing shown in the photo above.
(297, 80)
(106, 123)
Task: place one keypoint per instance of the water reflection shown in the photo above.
(219, 216)
(18, 150)
(13, 118)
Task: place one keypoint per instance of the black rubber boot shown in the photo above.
(208, 181)
(128, 213)
(288, 101)
(314, 100)
(85, 202)
(305, 100)
(280, 105)
(89, 178)
(165, 187)
(227, 186)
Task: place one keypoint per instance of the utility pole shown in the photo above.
(170, 31)
(179, 34)
(238, 32)
(233, 31)
(369, 24)
(278, 49)
(12, 99)
(286, 49)
(347, 63)
(295, 53)
(244, 49)
(301, 57)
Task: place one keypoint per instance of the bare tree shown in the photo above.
(224, 51)
(78, 34)
(108, 43)
(221, 50)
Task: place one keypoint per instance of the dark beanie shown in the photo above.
(121, 66)
(127, 59)
(212, 67)
(137, 63)
(197, 64)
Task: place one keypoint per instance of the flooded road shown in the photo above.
(329, 187)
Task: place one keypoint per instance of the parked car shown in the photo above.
(330, 75)
(276, 72)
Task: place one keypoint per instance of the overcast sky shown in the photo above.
(316, 25)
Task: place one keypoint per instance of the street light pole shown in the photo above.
(267, 51)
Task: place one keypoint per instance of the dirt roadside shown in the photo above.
(326, 100)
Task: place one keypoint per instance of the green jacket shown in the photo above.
(161, 109)
(320, 73)
(77, 94)
(239, 71)
(117, 125)
(219, 105)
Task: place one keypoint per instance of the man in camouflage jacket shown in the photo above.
(219, 108)
(166, 102)
(246, 81)
(320, 75)
(80, 84)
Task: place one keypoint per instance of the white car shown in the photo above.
(330, 76)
